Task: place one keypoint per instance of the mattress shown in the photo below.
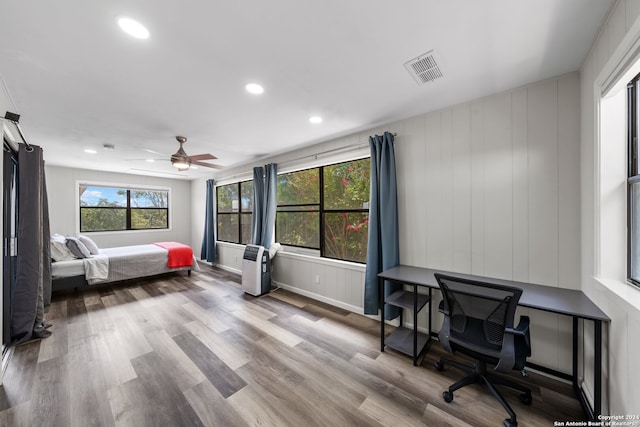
(125, 262)
(74, 267)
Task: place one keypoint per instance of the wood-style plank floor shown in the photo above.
(196, 351)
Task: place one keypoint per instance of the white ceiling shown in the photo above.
(80, 82)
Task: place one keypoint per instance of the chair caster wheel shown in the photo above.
(509, 423)
(439, 365)
(526, 398)
(447, 396)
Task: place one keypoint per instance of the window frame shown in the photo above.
(633, 172)
(322, 211)
(239, 213)
(318, 211)
(128, 208)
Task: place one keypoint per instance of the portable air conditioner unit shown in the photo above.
(256, 270)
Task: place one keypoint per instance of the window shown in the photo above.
(114, 209)
(233, 208)
(298, 211)
(334, 220)
(345, 212)
(633, 183)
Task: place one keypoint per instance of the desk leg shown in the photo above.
(597, 380)
(430, 304)
(381, 310)
(596, 410)
(574, 375)
(415, 325)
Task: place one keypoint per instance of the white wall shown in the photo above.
(63, 211)
(601, 215)
(489, 187)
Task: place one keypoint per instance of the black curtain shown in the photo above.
(33, 270)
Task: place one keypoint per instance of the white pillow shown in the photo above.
(78, 249)
(59, 250)
(90, 244)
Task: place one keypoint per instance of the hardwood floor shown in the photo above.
(192, 351)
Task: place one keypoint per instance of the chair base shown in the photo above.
(478, 374)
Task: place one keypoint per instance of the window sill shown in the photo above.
(324, 261)
(301, 251)
(309, 255)
(230, 244)
(628, 292)
(149, 230)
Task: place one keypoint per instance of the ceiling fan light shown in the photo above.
(181, 164)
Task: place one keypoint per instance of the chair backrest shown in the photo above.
(476, 315)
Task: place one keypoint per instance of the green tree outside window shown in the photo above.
(114, 209)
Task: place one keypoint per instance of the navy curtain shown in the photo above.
(383, 250)
(208, 251)
(264, 204)
(258, 203)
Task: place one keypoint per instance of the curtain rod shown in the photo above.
(333, 150)
(315, 156)
(15, 118)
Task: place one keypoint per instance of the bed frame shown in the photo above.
(129, 263)
(80, 282)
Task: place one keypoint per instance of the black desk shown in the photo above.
(555, 300)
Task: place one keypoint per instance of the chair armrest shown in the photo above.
(441, 308)
(522, 329)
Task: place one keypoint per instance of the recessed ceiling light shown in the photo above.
(90, 151)
(254, 88)
(315, 119)
(133, 28)
(150, 160)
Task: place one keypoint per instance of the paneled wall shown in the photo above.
(62, 193)
(489, 187)
(617, 299)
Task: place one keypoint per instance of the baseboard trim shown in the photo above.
(336, 303)
(321, 298)
(227, 268)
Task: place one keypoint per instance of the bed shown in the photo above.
(122, 263)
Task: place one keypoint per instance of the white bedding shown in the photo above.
(96, 267)
(125, 262)
(74, 267)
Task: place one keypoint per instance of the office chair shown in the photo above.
(478, 322)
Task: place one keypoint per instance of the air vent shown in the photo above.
(424, 68)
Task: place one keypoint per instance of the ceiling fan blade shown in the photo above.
(207, 165)
(202, 157)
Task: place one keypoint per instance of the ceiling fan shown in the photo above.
(182, 161)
